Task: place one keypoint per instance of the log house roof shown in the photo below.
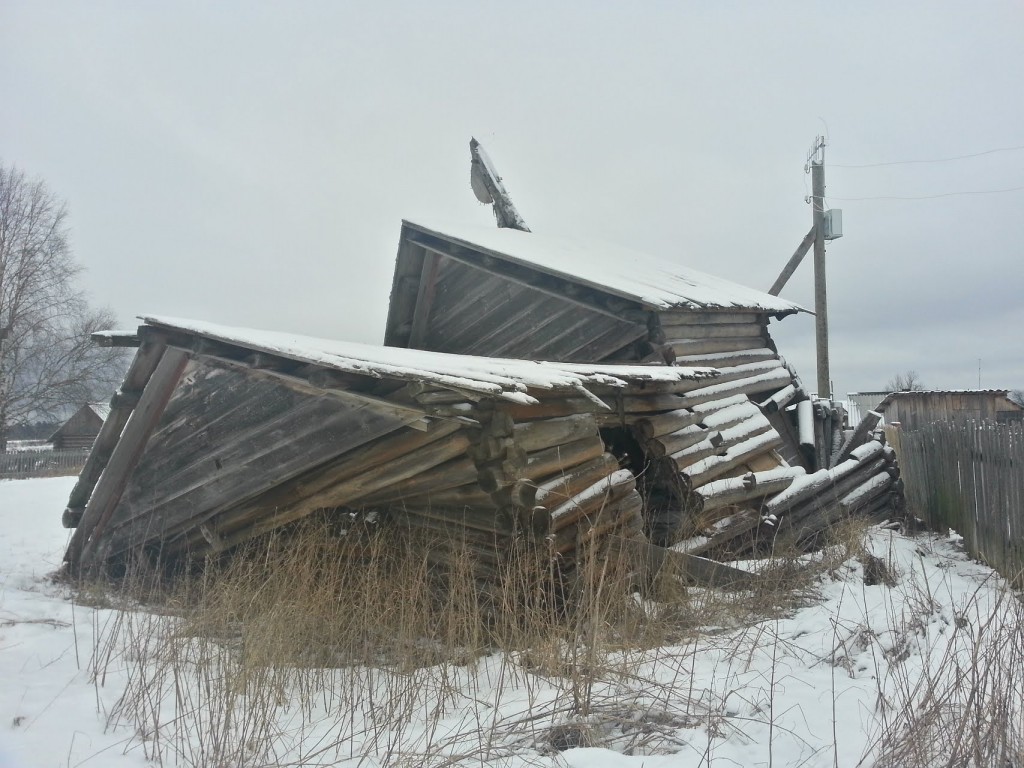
(503, 379)
(650, 282)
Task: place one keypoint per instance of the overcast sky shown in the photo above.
(249, 163)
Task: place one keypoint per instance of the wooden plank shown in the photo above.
(256, 460)
(424, 299)
(651, 559)
(572, 290)
(347, 493)
(316, 483)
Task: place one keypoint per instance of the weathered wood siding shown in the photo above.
(466, 309)
(915, 410)
(224, 438)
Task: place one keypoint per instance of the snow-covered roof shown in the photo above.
(657, 283)
(496, 377)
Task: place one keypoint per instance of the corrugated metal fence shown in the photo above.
(969, 477)
(25, 464)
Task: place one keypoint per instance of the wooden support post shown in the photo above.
(125, 456)
(793, 263)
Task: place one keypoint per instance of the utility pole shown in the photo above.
(824, 226)
(816, 161)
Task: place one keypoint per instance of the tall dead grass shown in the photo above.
(330, 643)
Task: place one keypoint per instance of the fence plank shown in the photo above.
(969, 477)
(25, 464)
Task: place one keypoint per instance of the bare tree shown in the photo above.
(1016, 396)
(908, 381)
(47, 360)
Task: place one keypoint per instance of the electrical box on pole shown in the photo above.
(833, 224)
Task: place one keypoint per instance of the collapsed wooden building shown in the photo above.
(662, 415)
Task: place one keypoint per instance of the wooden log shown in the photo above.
(726, 359)
(683, 348)
(761, 382)
(779, 400)
(320, 381)
(717, 331)
(755, 425)
(813, 485)
(552, 406)
(730, 416)
(604, 492)
(452, 474)
(665, 423)
(349, 492)
(726, 438)
(447, 397)
(562, 486)
(679, 440)
(314, 487)
(740, 524)
(500, 424)
(751, 486)
(867, 492)
(121, 406)
(860, 435)
(538, 435)
(715, 466)
(561, 458)
(698, 570)
(708, 317)
(123, 459)
(822, 518)
(571, 540)
(805, 423)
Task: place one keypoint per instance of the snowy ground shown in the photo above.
(815, 689)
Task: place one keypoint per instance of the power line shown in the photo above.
(934, 160)
(929, 197)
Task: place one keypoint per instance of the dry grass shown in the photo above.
(323, 644)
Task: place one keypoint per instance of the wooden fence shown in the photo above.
(23, 464)
(969, 477)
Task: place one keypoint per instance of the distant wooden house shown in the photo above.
(531, 387)
(912, 410)
(79, 431)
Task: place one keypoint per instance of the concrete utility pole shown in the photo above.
(817, 165)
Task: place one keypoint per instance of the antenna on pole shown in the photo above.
(488, 188)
